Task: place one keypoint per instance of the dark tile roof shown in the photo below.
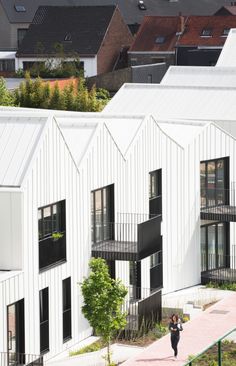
(216, 24)
(157, 34)
(229, 10)
(79, 29)
(128, 8)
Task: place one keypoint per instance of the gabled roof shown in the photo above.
(194, 34)
(78, 29)
(157, 34)
(129, 8)
(226, 10)
(18, 140)
(189, 102)
(200, 76)
(227, 56)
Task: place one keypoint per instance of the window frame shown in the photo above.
(44, 322)
(66, 309)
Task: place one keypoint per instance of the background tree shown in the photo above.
(103, 299)
(6, 98)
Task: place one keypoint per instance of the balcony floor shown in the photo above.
(116, 250)
(219, 213)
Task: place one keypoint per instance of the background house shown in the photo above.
(203, 39)
(94, 34)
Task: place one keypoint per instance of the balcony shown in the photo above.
(218, 204)
(133, 238)
(20, 359)
(218, 268)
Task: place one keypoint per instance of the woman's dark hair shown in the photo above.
(176, 317)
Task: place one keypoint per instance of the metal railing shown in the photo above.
(20, 359)
(216, 202)
(218, 268)
(217, 343)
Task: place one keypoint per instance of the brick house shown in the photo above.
(156, 39)
(96, 35)
(203, 39)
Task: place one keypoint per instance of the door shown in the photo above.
(16, 333)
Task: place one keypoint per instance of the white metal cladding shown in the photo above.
(171, 102)
(200, 76)
(228, 54)
(11, 290)
(54, 177)
(18, 139)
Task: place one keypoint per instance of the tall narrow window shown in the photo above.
(44, 320)
(66, 293)
(102, 214)
(156, 270)
(155, 192)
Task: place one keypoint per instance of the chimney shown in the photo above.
(181, 23)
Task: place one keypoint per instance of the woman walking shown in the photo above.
(175, 327)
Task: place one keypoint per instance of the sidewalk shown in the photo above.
(198, 334)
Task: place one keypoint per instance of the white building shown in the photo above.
(148, 185)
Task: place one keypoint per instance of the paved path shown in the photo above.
(198, 334)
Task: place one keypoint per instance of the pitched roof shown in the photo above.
(195, 25)
(129, 8)
(227, 10)
(18, 139)
(78, 29)
(200, 76)
(227, 56)
(163, 101)
(157, 34)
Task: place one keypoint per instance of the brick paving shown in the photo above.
(197, 335)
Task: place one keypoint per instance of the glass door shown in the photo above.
(16, 333)
(11, 316)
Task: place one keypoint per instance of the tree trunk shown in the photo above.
(108, 352)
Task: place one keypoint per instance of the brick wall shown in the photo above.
(118, 35)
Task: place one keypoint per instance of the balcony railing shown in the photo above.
(143, 307)
(128, 240)
(52, 251)
(218, 204)
(218, 268)
(20, 359)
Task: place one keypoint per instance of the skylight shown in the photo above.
(160, 40)
(225, 32)
(20, 8)
(67, 37)
(206, 32)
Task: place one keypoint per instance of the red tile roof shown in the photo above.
(62, 83)
(153, 27)
(195, 24)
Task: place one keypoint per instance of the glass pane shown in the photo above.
(220, 184)
(12, 333)
(211, 246)
(203, 249)
(92, 216)
(211, 183)
(40, 224)
(98, 215)
(47, 221)
(203, 184)
(221, 245)
(107, 207)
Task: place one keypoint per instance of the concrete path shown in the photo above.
(198, 334)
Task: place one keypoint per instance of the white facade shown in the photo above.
(90, 63)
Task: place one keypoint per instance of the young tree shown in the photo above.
(6, 98)
(103, 298)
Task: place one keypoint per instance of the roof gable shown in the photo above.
(78, 30)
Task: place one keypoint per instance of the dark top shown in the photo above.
(177, 327)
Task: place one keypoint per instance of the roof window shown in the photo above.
(225, 32)
(206, 32)
(160, 40)
(67, 37)
(20, 8)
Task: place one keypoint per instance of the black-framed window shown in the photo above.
(52, 234)
(44, 320)
(66, 307)
(214, 246)
(21, 32)
(214, 181)
(156, 270)
(155, 192)
(135, 279)
(102, 214)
